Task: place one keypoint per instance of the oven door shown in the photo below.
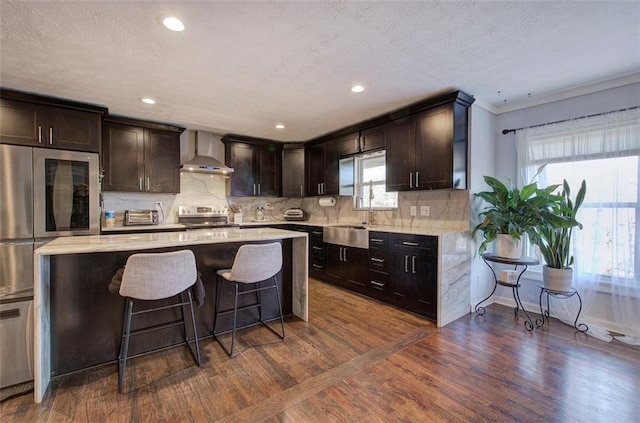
(65, 187)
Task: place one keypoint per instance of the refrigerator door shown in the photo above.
(16, 332)
(16, 269)
(16, 192)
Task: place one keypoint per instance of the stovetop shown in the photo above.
(200, 217)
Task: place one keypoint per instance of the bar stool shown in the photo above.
(252, 265)
(157, 276)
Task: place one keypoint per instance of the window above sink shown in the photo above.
(364, 177)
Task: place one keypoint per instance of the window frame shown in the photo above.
(359, 184)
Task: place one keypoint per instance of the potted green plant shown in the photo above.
(511, 213)
(553, 238)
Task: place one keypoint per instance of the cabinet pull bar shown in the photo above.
(413, 264)
(417, 179)
(317, 248)
(356, 141)
(377, 260)
(317, 266)
(301, 191)
(412, 244)
(50, 135)
(406, 264)
(411, 180)
(378, 240)
(345, 254)
(140, 183)
(316, 232)
(362, 143)
(39, 134)
(258, 189)
(377, 283)
(148, 184)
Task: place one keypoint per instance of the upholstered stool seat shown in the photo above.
(157, 276)
(255, 267)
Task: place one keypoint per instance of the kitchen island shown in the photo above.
(77, 320)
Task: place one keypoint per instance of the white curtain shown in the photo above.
(603, 150)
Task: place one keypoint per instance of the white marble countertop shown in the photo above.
(142, 241)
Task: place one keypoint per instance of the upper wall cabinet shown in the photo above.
(322, 162)
(370, 139)
(257, 166)
(141, 156)
(293, 171)
(42, 123)
(428, 150)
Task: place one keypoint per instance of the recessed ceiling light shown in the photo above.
(172, 23)
(357, 89)
(148, 100)
(279, 126)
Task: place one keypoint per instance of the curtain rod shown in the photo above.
(506, 131)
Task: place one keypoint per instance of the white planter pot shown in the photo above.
(557, 279)
(507, 247)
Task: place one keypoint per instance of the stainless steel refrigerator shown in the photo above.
(16, 264)
(44, 193)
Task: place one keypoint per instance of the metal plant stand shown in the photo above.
(561, 295)
(523, 262)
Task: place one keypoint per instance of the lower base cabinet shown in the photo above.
(398, 269)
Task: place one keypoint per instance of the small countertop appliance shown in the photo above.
(294, 214)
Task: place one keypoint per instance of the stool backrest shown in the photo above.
(256, 262)
(154, 276)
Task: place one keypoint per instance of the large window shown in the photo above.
(369, 183)
(604, 151)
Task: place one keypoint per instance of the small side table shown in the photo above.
(522, 262)
(561, 295)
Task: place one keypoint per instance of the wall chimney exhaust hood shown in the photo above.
(205, 163)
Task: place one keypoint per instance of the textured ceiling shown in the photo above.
(243, 66)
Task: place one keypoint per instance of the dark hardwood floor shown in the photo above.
(357, 360)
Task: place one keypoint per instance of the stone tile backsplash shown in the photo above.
(449, 209)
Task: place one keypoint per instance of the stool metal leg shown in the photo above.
(124, 344)
(235, 318)
(195, 331)
(279, 306)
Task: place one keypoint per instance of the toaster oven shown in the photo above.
(141, 217)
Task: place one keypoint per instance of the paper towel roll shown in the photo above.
(327, 201)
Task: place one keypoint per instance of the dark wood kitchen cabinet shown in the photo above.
(347, 266)
(323, 168)
(141, 158)
(428, 150)
(40, 124)
(379, 285)
(414, 273)
(257, 167)
(293, 171)
(367, 140)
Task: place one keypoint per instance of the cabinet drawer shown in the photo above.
(379, 286)
(378, 240)
(317, 248)
(424, 244)
(379, 260)
(315, 233)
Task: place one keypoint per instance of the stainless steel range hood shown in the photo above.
(205, 163)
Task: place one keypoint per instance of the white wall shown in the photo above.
(505, 158)
(482, 142)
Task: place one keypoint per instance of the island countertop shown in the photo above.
(143, 241)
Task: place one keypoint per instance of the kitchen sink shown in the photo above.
(348, 235)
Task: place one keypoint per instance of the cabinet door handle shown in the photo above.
(417, 179)
(356, 143)
(258, 189)
(345, 254)
(406, 264)
(39, 134)
(316, 232)
(377, 260)
(341, 253)
(50, 135)
(148, 184)
(140, 183)
(317, 248)
(301, 190)
(411, 180)
(317, 266)
(363, 143)
(380, 284)
(411, 244)
(377, 240)
(413, 264)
